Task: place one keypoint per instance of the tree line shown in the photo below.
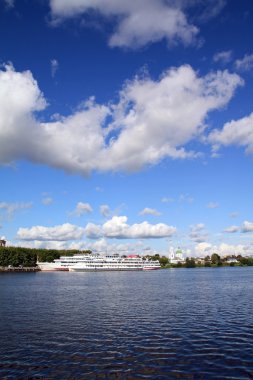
(27, 257)
(209, 261)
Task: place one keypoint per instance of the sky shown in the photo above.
(127, 126)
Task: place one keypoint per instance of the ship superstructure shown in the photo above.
(100, 262)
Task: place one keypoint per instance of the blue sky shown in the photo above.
(127, 126)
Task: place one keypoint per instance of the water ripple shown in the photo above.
(181, 324)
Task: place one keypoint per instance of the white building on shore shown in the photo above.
(177, 256)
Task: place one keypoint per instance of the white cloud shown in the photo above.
(105, 211)
(212, 205)
(47, 201)
(244, 64)
(150, 115)
(223, 56)
(147, 123)
(198, 233)
(198, 227)
(232, 229)
(9, 209)
(62, 232)
(247, 226)
(237, 132)
(223, 249)
(100, 245)
(93, 231)
(202, 249)
(19, 98)
(118, 228)
(103, 246)
(54, 67)
(50, 244)
(137, 23)
(81, 209)
(149, 211)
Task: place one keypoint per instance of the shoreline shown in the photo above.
(36, 269)
(18, 269)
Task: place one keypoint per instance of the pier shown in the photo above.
(19, 269)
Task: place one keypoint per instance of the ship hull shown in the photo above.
(105, 269)
(51, 267)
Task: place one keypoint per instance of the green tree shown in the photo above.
(190, 262)
(28, 257)
(215, 259)
(163, 261)
(246, 261)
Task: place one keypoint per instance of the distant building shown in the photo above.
(176, 257)
(231, 260)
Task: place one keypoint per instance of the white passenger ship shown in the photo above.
(96, 262)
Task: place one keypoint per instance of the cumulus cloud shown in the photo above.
(105, 211)
(247, 226)
(118, 228)
(62, 232)
(150, 115)
(223, 249)
(244, 64)
(137, 23)
(198, 233)
(212, 205)
(149, 211)
(81, 209)
(231, 229)
(19, 98)
(50, 244)
(103, 246)
(9, 209)
(236, 132)
(99, 245)
(223, 56)
(147, 123)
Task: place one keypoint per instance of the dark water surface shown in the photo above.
(168, 324)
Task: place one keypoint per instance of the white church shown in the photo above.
(176, 256)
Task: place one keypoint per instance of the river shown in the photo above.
(167, 324)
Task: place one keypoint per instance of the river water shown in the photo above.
(167, 324)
